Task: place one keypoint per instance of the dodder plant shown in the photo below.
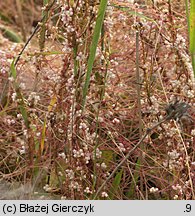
(86, 110)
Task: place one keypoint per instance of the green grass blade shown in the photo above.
(45, 15)
(46, 53)
(13, 71)
(132, 189)
(134, 13)
(116, 184)
(10, 35)
(24, 113)
(192, 33)
(187, 15)
(193, 63)
(192, 27)
(50, 107)
(5, 18)
(21, 103)
(93, 47)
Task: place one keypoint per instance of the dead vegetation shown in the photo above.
(69, 150)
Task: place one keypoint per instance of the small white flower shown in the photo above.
(87, 190)
(121, 147)
(14, 96)
(60, 173)
(11, 79)
(103, 166)
(193, 163)
(63, 198)
(22, 86)
(101, 119)
(60, 130)
(47, 188)
(70, 173)
(116, 121)
(62, 155)
(173, 154)
(153, 190)
(193, 132)
(22, 150)
(98, 153)
(75, 185)
(38, 134)
(104, 194)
